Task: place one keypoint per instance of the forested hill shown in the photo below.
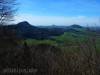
(25, 30)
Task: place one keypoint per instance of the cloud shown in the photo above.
(58, 20)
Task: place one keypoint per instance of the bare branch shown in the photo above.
(7, 10)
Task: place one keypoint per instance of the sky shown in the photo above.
(59, 12)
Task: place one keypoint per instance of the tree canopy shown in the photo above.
(7, 10)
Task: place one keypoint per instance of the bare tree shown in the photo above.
(7, 10)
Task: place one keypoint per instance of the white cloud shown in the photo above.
(58, 20)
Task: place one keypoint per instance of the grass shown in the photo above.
(68, 41)
(36, 42)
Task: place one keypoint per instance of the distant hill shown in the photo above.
(76, 26)
(25, 30)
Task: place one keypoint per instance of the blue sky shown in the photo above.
(60, 12)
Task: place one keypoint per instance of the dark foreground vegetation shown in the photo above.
(71, 53)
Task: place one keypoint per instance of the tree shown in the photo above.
(7, 10)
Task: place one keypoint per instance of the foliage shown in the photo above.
(7, 10)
